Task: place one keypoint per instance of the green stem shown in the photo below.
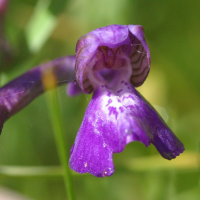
(62, 147)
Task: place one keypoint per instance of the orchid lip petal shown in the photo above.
(111, 122)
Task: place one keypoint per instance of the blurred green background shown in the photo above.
(42, 30)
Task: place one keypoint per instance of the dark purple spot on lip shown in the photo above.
(109, 94)
(122, 81)
(129, 97)
(131, 107)
(121, 109)
(128, 87)
(113, 110)
(126, 83)
(102, 86)
(119, 91)
(109, 102)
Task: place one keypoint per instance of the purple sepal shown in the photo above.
(111, 121)
(18, 93)
(73, 89)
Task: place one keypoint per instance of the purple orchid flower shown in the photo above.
(112, 61)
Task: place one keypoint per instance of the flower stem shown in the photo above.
(62, 147)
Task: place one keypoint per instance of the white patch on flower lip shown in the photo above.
(116, 92)
(116, 104)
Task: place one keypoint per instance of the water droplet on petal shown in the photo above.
(104, 173)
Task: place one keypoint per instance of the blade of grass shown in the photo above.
(140, 164)
(49, 81)
(33, 171)
(60, 141)
(30, 171)
(40, 26)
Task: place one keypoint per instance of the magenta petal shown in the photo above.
(168, 145)
(92, 152)
(160, 135)
(112, 121)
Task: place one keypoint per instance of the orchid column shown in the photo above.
(111, 62)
